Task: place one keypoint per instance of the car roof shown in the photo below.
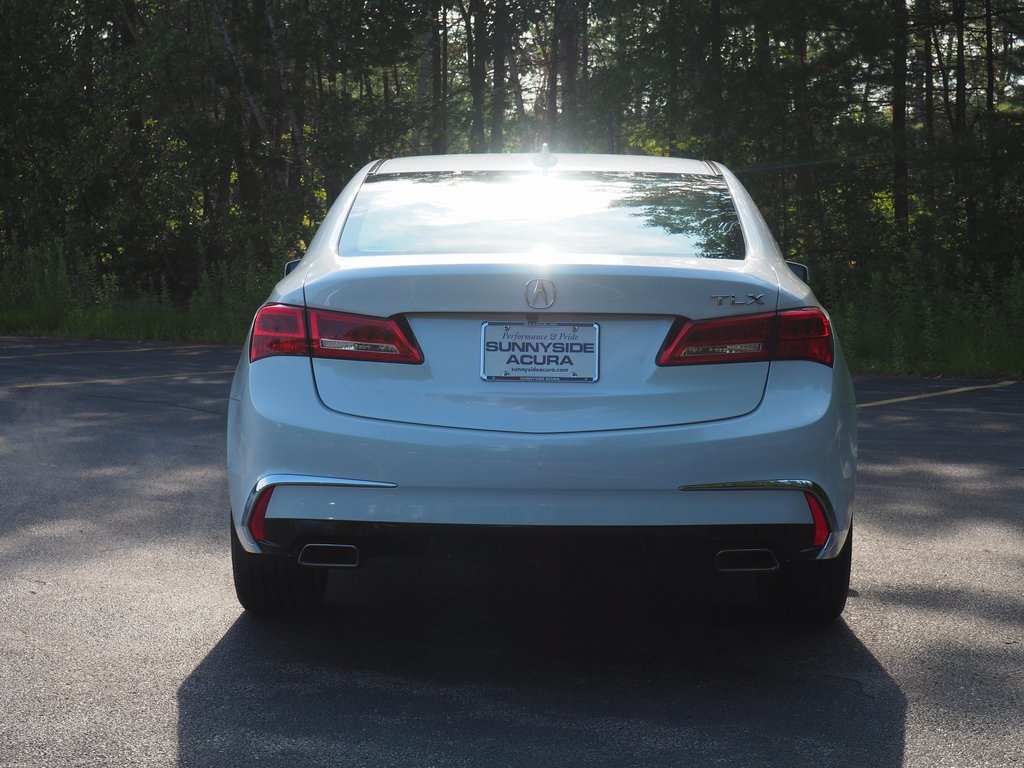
(553, 160)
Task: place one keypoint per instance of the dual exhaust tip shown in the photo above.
(726, 560)
(330, 555)
(746, 561)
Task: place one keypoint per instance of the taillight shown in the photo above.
(283, 330)
(355, 337)
(278, 330)
(805, 334)
(798, 334)
(723, 340)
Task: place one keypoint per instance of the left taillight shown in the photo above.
(285, 330)
(357, 337)
(793, 334)
(278, 330)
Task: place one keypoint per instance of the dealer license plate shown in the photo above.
(539, 351)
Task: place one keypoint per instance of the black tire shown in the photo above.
(272, 585)
(810, 593)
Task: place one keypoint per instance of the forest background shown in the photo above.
(160, 160)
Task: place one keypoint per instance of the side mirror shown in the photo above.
(290, 266)
(800, 270)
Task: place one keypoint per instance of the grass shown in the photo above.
(41, 296)
(906, 322)
(129, 321)
(912, 319)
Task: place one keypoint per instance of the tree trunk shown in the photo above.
(522, 120)
(499, 88)
(715, 148)
(990, 63)
(250, 99)
(900, 169)
(806, 180)
(286, 96)
(960, 116)
(960, 107)
(567, 34)
(439, 97)
(475, 20)
(425, 84)
(925, 23)
(551, 112)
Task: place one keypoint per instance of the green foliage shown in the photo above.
(40, 294)
(161, 161)
(917, 319)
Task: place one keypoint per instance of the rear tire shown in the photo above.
(273, 585)
(810, 593)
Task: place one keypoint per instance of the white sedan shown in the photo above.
(480, 347)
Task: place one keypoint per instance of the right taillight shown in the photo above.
(794, 334)
(722, 340)
(286, 330)
(805, 334)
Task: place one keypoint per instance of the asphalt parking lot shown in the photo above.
(122, 643)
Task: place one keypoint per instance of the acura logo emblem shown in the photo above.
(540, 293)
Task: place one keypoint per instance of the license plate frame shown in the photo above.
(546, 352)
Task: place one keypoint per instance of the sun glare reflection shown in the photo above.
(540, 214)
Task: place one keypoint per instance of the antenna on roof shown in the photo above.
(545, 159)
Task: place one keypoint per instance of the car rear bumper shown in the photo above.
(345, 544)
(331, 470)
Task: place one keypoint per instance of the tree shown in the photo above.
(144, 145)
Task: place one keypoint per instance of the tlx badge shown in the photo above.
(733, 301)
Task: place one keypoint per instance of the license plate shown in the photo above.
(539, 351)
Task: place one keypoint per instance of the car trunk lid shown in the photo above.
(582, 358)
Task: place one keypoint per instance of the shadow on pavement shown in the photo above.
(434, 664)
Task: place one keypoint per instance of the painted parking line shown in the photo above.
(127, 380)
(225, 371)
(941, 393)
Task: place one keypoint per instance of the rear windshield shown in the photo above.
(643, 214)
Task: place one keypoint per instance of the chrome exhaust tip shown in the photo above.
(746, 560)
(329, 555)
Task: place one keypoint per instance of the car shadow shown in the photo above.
(415, 663)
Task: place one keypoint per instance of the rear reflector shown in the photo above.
(821, 530)
(259, 514)
(283, 330)
(798, 334)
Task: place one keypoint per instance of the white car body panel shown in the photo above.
(448, 390)
(478, 477)
(446, 303)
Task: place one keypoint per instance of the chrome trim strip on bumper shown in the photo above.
(276, 480)
(832, 544)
